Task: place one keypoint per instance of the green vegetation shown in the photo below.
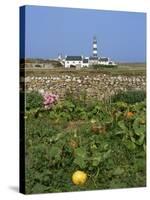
(130, 96)
(103, 66)
(33, 100)
(105, 140)
(121, 69)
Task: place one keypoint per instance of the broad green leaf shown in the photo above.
(97, 158)
(56, 137)
(140, 141)
(122, 125)
(144, 147)
(138, 128)
(119, 132)
(129, 144)
(118, 171)
(133, 139)
(117, 184)
(106, 146)
(121, 104)
(38, 188)
(140, 164)
(81, 152)
(80, 161)
(80, 157)
(55, 152)
(106, 154)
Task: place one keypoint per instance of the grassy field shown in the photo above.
(129, 69)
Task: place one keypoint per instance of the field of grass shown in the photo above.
(107, 141)
(122, 69)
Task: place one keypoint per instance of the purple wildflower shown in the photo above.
(49, 99)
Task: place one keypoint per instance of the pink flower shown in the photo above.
(49, 99)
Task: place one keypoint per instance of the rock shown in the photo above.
(41, 91)
(30, 89)
(68, 80)
(27, 79)
(79, 81)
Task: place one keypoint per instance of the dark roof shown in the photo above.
(93, 58)
(85, 60)
(103, 59)
(74, 58)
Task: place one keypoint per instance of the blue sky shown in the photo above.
(50, 31)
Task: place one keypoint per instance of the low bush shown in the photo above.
(33, 100)
(131, 97)
(100, 66)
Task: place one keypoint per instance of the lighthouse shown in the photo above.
(94, 47)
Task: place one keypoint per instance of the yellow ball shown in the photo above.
(79, 177)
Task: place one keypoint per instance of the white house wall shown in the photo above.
(85, 65)
(93, 62)
(104, 63)
(75, 63)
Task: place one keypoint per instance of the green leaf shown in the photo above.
(55, 152)
(97, 158)
(117, 184)
(106, 154)
(133, 139)
(38, 188)
(118, 171)
(119, 132)
(69, 106)
(106, 146)
(81, 152)
(140, 164)
(140, 141)
(80, 157)
(80, 161)
(144, 147)
(129, 144)
(122, 125)
(138, 129)
(56, 137)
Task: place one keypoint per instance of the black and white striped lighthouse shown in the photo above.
(94, 47)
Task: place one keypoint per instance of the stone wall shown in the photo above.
(97, 85)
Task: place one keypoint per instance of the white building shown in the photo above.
(93, 60)
(105, 61)
(73, 61)
(85, 62)
(76, 62)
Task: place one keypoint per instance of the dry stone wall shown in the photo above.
(100, 86)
